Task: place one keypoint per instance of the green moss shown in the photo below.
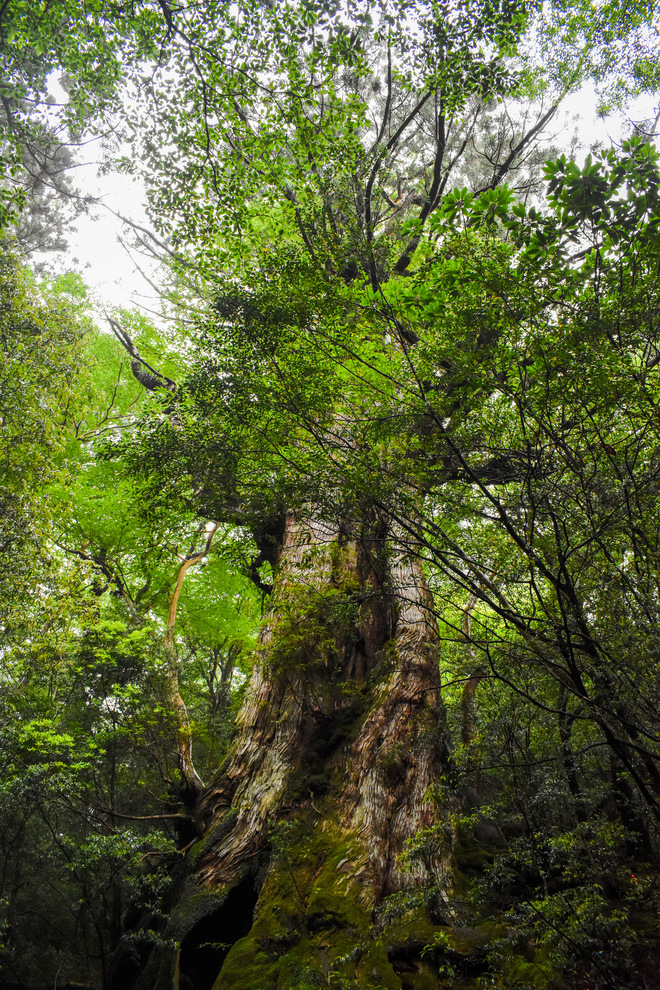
(518, 972)
(314, 926)
(374, 970)
(310, 621)
(470, 855)
(311, 919)
(194, 905)
(247, 965)
(472, 942)
(214, 836)
(409, 936)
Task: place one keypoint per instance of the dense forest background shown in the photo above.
(329, 599)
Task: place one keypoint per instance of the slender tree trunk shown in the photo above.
(338, 745)
(184, 740)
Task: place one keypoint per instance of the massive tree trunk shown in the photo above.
(338, 745)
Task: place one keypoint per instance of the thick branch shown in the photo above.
(151, 379)
(517, 150)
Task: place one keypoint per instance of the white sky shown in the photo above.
(96, 241)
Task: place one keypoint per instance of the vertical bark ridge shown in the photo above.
(402, 748)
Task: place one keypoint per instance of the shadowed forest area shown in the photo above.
(329, 598)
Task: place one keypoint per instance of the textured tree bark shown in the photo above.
(341, 736)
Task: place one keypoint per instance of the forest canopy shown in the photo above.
(329, 608)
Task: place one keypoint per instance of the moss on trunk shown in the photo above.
(340, 738)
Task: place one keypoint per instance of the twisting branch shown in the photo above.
(152, 380)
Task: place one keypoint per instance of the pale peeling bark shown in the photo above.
(176, 703)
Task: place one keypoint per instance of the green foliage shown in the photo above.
(492, 414)
(577, 904)
(41, 369)
(81, 743)
(87, 731)
(337, 127)
(616, 45)
(85, 47)
(549, 527)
